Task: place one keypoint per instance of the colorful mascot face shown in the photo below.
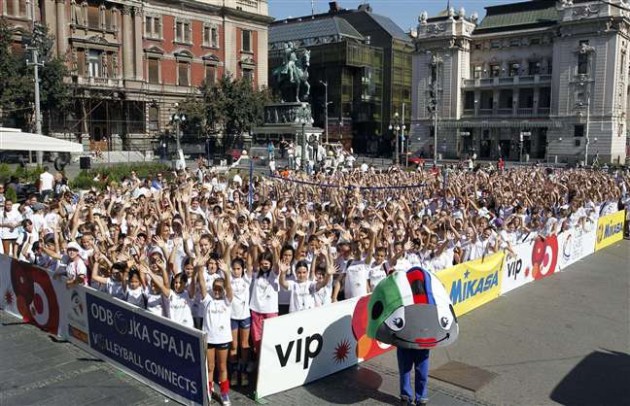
(412, 310)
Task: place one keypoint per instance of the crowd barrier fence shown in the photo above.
(296, 348)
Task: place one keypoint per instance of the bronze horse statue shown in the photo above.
(292, 76)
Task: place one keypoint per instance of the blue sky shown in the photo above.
(404, 12)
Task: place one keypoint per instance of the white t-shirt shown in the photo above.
(136, 297)
(324, 295)
(197, 308)
(216, 320)
(302, 295)
(180, 305)
(265, 293)
(377, 273)
(77, 268)
(156, 304)
(13, 217)
(115, 289)
(357, 275)
(46, 181)
(240, 299)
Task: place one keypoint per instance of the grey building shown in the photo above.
(540, 80)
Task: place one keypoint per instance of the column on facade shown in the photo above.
(61, 27)
(536, 95)
(496, 93)
(127, 43)
(515, 97)
(544, 63)
(137, 17)
(524, 68)
(16, 6)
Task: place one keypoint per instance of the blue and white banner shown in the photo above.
(155, 350)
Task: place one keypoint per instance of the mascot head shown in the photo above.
(412, 310)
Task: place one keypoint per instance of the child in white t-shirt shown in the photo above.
(304, 288)
(378, 269)
(241, 319)
(217, 306)
(134, 289)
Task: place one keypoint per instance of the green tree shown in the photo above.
(17, 92)
(232, 106)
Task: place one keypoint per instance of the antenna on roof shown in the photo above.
(312, 8)
(448, 5)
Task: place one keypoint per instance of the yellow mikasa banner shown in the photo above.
(609, 229)
(473, 283)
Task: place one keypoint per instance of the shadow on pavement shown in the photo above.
(351, 386)
(601, 378)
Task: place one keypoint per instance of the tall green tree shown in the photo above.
(17, 90)
(231, 106)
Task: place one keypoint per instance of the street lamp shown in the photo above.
(178, 118)
(436, 62)
(325, 84)
(304, 117)
(588, 114)
(395, 127)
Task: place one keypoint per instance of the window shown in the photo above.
(582, 63)
(207, 35)
(95, 67)
(578, 130)
(182, 31)
(247, 41)
(248, 74)
(534, 67)
(469, 100)
(183, 73)
(215, 37)
(10, 10)
(94, 16)
(154, 118)
(477, 72)
(153, 27)
(154, 70)
(495, 70)
(211, 75)
(514, 69)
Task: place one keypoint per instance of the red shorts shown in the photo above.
(257, 324)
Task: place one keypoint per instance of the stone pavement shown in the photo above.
(562, 340)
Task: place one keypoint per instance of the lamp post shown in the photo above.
(588, 115)
(521, 136)
(304, 118)
(35, 41)
(325, 107)
(395, 127)
(178, 118)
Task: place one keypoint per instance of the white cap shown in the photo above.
(73, 246)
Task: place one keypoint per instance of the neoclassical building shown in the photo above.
(553, 74)
(131, 60)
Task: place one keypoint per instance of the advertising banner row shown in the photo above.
(297, 348)
(158, 352)
(302, 347)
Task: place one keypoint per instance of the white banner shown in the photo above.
(533, 260)
(301, 347)
(574, 245)
(32, 294)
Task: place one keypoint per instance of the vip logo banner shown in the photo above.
(609, 230)
(534, 260)
(301, 347)
(152, 348)
(473, 283)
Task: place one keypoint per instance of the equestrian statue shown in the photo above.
(292, 75)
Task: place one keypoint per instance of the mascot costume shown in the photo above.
(412, 311)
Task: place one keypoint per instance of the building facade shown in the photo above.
(538, 80)
(365, 59)
(131, 61)
(351, 68)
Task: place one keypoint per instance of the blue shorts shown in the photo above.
(242, 324)
(223, 346)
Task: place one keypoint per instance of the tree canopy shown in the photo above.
(231, 106)
(17, 90)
